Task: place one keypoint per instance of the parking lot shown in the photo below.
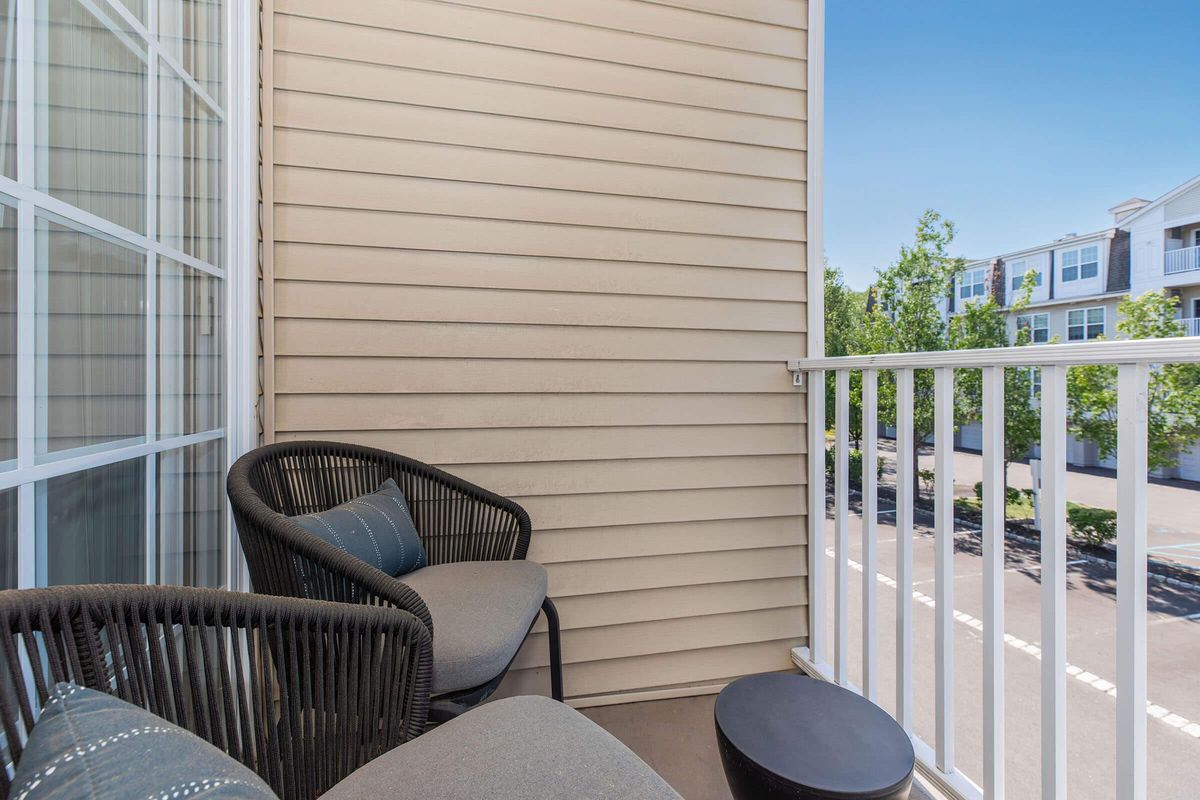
(1174, 652)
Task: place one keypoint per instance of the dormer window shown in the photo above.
(972, 284)
(1080, 264)
(1017, 270)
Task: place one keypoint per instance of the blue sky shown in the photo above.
(1021, 121)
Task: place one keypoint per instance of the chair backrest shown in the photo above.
(300, 691)
(456, 520)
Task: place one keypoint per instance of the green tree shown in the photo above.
(845, 310)
(982, 324)
(908, 315)
(1174, 389)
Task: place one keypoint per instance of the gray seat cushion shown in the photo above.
(88, 744)
(481, 612)
(531, 748)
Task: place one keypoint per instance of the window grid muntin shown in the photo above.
(1085, 324)
(30, 202)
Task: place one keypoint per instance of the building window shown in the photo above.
(1018, 270)
(1085, 323)
(1038, 326)
(1080, 264)
(972, 284)
(112, 424)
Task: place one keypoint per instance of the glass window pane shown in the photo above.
(1095, 315)
(8, 539)
(1070, 258)
(190, 346)
(189, 171)
(91, 340)
(190, 31)
(8, 332)
(191, 515)
(8, 88)
(91, 120)
(91, 525)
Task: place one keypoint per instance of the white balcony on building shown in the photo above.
(1184, 259)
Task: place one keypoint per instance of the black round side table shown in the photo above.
(788, 736)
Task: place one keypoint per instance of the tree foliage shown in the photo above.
(1174, 389)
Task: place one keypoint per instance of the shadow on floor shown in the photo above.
(677, 739)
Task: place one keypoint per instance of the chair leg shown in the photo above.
(555, 638)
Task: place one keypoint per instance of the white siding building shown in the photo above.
(1080, 280)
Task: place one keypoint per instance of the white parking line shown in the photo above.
(1096, 682)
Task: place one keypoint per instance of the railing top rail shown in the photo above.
(1182, 349)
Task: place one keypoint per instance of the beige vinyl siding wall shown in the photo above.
(559, 249)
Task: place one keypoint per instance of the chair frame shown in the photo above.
(285, 686)
(455, 520)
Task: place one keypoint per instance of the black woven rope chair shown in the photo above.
(301, 692)
(479, 594)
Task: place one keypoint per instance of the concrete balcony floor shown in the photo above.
(676, 738)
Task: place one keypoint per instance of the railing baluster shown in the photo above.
(993, 583)
(870, 521)
(1052, 506)
(1132, 469)
(904, 533)
(816, 516)
(841, 535)
(943, 528)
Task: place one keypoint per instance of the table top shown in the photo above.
(815, 734)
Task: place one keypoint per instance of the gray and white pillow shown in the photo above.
(376, 528)
(88, 745)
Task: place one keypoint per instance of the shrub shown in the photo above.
(979, 491)
(1093, 526)
(856, 462)
(926, 477)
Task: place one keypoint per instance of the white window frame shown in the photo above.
(1079, 263)
(1016, 275)
(1031, 321)
(975, 287)
(1086, 325)
(238, 277)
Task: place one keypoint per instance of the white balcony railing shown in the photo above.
(1184, 259)
(1191, 326)
(830, 659)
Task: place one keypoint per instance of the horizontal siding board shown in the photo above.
(680, 505)
(664, 636)
(334, 337)
(423, 411)
(356, 264)
(357, 301)
(436, 90)
(435, 232)
(685, 667)
(482, 60)
(665, 21)
(551, 36)
(633, 475)
(632, 541)
(450, 448)
(448, 376)
(449, 126)
(387, 156)
(674, 602)
(790, 13)
(339, 189)
(688, 569)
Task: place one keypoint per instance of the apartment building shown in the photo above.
(1079, 280)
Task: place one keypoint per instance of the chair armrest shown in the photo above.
(300, 691)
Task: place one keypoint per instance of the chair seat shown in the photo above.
(481, 611)
(522, 747)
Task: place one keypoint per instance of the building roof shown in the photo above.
(1166, 198)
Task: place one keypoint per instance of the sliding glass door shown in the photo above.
(112, 281)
